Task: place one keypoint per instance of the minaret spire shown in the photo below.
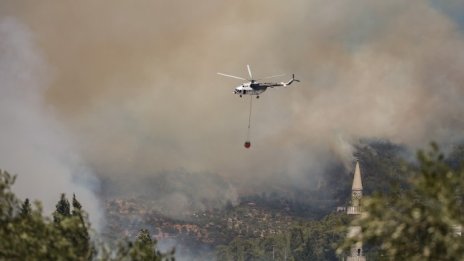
(356, 190)
(357, 184)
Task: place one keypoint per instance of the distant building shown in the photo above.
(356, 251)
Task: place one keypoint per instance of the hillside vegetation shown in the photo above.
(412, 209)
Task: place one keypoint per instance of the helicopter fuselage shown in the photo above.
(250, 89)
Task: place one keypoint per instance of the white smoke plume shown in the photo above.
(33, 144)
(136, 84)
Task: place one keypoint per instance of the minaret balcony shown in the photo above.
(354, 210)
(457, 230)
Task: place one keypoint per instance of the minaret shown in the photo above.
(356, 252)
(356, 192)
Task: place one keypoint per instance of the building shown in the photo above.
(356, 251)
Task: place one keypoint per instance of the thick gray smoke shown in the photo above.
(136, 83)
(32, 143)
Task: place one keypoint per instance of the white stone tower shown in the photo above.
(356, 193)
(356, 251)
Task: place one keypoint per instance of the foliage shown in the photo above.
(420, 223)
(144, 248)
(63, 209)
(25, 234)
(313, 240)
(317, 240)
(26, 209)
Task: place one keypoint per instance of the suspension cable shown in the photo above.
(249, 118)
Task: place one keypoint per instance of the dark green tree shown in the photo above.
(80, 233)
(26, 209)
(63, 209)
(77, 207)
(142, 249)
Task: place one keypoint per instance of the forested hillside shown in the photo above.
(266, 226)
(308, 217)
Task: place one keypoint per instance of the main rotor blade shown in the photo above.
(273, 76)
(231, 76)
(249, 71)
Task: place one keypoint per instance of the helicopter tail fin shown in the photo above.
(291, 80)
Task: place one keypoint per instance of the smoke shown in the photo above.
(174, 193)
(32, 142)
(136, 84)
(186, 253)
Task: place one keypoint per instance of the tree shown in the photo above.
(419, 223)
(77, 207)
(26, 209)
(308, 240)
(63, 209)
(80, 232)
(143, 249)
(25, 234)
(8, 201)
(73, 226)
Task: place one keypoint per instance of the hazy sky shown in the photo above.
(128, 89)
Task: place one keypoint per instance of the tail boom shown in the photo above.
(290, 81)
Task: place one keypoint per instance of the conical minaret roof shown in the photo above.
(357, 184)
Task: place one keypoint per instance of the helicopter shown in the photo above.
(254, 87)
